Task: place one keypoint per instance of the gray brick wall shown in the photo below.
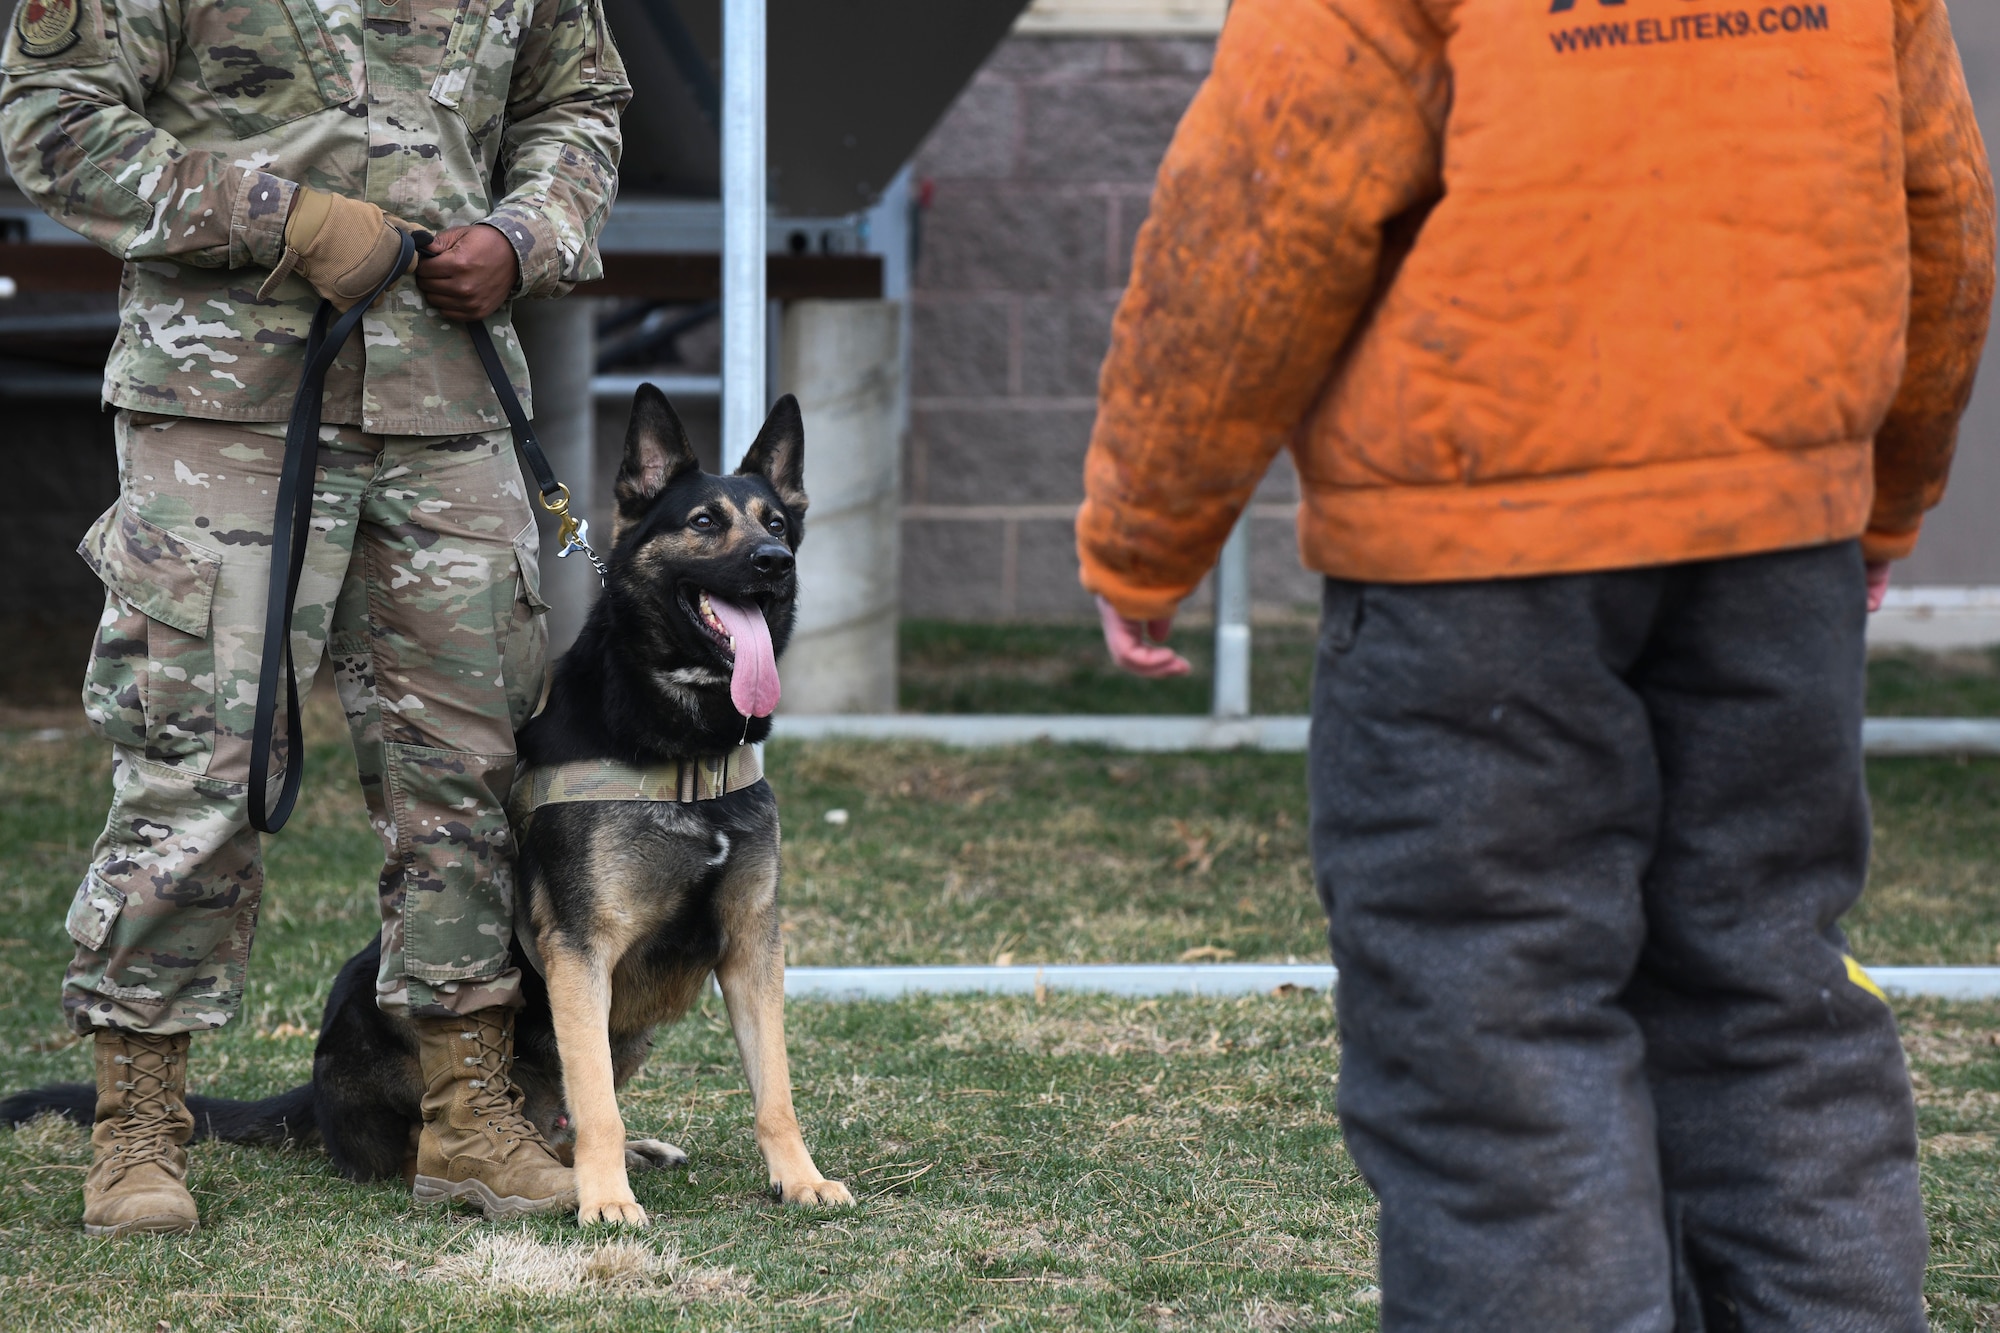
(1038, 180)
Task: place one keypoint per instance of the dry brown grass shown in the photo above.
(514, 1263)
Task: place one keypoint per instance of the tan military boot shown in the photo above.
(138, 1165)
(476, 1144)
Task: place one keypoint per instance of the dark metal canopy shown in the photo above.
(855, 85)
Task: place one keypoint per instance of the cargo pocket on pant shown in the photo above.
(150, 685)
(94, 912)
(456, 853)
(524, 644)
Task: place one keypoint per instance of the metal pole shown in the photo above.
(1232, 624)
(745, 326)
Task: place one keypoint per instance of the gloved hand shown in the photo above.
(342, 246)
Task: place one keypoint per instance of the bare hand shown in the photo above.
(1878, 583)
(469, 272)
(1129, 650)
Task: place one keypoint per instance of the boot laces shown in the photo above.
(496, 1098)
(144, 1131)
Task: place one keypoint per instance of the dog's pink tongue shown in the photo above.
(753, 687)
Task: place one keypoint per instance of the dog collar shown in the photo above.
(682, 781)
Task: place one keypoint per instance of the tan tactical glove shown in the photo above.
(342, 246)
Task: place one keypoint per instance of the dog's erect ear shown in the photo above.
(656, 450)
(779, 455)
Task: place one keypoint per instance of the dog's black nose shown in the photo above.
(771, 560)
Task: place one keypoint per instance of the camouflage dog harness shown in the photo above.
(681, 781)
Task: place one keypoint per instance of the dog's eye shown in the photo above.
(776, 525)
(702, 522)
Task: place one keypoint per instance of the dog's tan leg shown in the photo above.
(752, 976)
(580, 1002)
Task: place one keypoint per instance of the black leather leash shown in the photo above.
(572, 534)
(291, 528)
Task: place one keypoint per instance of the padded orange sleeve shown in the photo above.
(1261, 249)
(1951, 279)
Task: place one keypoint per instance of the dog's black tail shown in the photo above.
(74, 1102)
(271, 1123)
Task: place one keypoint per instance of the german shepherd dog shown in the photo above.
(631, 905)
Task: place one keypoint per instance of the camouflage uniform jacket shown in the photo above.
(175, 133)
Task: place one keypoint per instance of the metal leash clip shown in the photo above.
(574, 532)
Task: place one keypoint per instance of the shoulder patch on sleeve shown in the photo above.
(47, 28)
(56, 34)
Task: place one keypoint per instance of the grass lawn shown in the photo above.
(947, 667)
(1079, 1162)
(1912, 684)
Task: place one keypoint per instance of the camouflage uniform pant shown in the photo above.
(421, 581)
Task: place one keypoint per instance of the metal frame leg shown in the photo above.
(1232, 625)
(745, 319)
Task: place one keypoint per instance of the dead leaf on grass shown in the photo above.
(1206, 953)
(1196, 858)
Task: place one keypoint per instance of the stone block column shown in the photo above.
(844, 360)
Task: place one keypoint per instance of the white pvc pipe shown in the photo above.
(1881, 737)
(1232, 624)
(1131, 979)
(745, 326)
(977, 730)
(1895, 737)
(1218, 979)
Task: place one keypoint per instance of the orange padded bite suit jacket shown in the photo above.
(1541, 286)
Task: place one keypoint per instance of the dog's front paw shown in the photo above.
(652, 1155)
(613, 1211)
(814, 1191)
